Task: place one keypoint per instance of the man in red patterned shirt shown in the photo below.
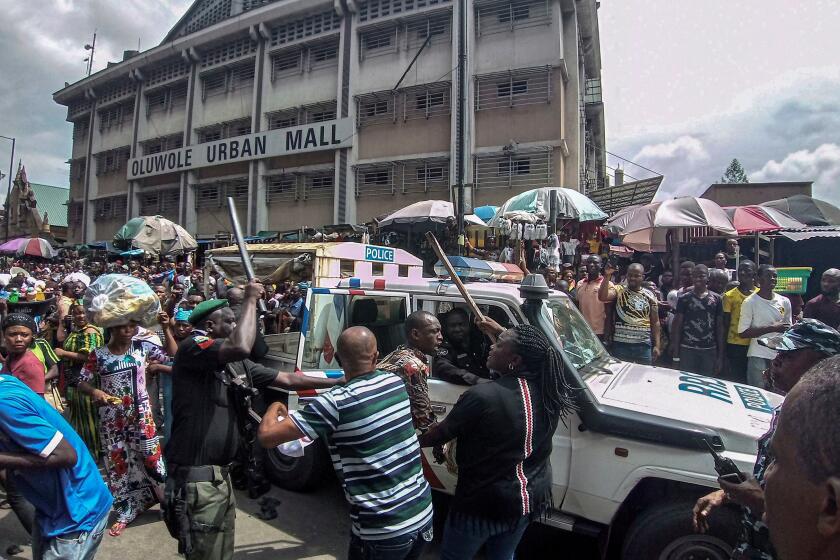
(410, 361)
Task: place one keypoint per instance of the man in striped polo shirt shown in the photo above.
(367, 425)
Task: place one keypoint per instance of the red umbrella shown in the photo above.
(752, 219)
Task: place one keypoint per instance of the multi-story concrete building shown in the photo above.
(290, 107)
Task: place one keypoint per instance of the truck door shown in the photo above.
(328, 311)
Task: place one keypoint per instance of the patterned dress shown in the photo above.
(81, 413)
(127, 431)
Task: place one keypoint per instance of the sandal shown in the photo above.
(117, 529)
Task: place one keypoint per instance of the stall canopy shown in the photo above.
(647, 228)
(808, 210)
(155, 235)
(427, 212)
(570, 204)
(752, 219)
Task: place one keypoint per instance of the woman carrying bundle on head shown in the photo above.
(114, 377)
(504, 430)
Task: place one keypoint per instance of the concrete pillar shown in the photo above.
(186, 210)
(344, 198)
(87, 205)
(257, 209)
(571, 101)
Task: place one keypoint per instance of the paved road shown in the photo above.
(311, 526)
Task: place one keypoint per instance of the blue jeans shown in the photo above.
(74, 546)
(405, 547)
(627, 352)
(463, 540)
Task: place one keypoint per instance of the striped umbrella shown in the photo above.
(11, 246)
(36, 247)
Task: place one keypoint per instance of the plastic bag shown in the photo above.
(115, 299)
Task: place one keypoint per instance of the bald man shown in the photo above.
(636, 331)
(826, 306)
(366, 423)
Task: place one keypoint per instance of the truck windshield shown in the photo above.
(576, 337)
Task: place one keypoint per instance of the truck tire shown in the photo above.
(299, 474)
(665, 532)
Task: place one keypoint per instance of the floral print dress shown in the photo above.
(127, 432)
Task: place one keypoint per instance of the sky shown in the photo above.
(688, 85)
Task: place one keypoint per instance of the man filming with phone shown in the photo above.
(799, 348)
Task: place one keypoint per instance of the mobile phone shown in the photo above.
(725, 467)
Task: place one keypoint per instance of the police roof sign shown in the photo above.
(327, 135)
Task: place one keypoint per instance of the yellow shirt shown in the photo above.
(732, 301)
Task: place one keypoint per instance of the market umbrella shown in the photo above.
(425, 211)
(570, 204)
(486, 213)
(808, 210)
(37, 247)
(752, 219)
(616, 224)
(155, 235)
(652, 220)
(11, 247)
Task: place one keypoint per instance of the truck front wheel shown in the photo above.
(298, 473)
(665, 532)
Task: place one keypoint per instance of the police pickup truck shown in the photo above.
(627, 468)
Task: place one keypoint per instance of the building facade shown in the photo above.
(292, 108)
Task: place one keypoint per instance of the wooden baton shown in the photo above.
(455, 280)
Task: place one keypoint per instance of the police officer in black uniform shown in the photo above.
(459, 359)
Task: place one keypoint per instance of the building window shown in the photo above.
(208, 196)
(77, 169)
(373, 9)
(319, 112)
(115, 116)
(162, 144)
(531, 169)
(214, 83)
(228, 52)
(497, 16)
(283, 119)
(242, 76)
(111, 161)
(219, 131)
(406, 176)
(214, 195)
(111, 208)
(319, 186)
(166, 98)
(516, 167)
(286, 63)
(375, 108)
(74, 213)
(280, 188)
(80, 129)
(308, 26)
(438, 27)
(323, 55)
(516, 88)
(162, 202)
(377, 41)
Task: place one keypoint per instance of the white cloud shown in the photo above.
(821, 165)
(685, 148)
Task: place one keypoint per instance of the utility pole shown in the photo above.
(461, 108)
(92, 48)
(9, 188)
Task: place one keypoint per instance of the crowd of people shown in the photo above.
(155, 407)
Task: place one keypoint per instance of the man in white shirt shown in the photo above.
(762, 313)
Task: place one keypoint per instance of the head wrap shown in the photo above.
(19, 320)
(807, 333)
(205, 309)
(182, 315)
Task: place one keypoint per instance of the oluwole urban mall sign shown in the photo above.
(328, 135)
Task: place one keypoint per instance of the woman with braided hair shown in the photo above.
(504, 431)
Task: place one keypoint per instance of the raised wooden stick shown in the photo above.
(455, 280)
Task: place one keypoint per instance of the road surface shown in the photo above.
(312, 526)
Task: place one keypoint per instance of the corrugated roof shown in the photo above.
(802, 234)
(613, 199)
(53, 201)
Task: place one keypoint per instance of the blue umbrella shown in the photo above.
(570, 204)
(486, 213)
